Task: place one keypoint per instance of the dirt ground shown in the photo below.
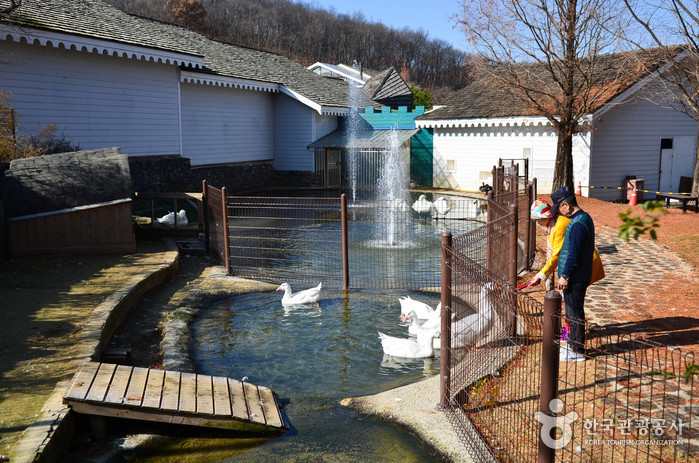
(45, 301)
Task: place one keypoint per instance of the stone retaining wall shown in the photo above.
(174, 174)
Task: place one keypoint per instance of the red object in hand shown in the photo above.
(524, 285)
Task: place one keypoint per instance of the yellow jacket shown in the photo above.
(555, 244)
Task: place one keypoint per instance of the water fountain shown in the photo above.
(354, 125)
(393, 189)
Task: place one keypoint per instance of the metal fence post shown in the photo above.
(205, 213)
(489, 251)
(226, 239)
(549, 366)
(345, 244)
(514, 211)
(445, 352)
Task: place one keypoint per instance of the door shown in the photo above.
(677, 157)
(333, 168)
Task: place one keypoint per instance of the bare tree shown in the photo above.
(545, 54)
(306, 33)
(673, 25)
(14, 4)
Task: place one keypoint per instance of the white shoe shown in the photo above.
(570, 356)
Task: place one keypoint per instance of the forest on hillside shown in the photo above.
(306, 34)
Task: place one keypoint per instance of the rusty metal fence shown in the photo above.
(215, 222)
(510, 398)
(389, 245)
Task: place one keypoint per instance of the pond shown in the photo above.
(313, 357)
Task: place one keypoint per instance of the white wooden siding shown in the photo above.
(222, 125)
(626, 141)
(94, 100)
(477, 149)
(295, 127)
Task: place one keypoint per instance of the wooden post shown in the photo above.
(345, 242)
(226, 239)
(445, 352)
(514, 210)
(205, 214)
(549, 366)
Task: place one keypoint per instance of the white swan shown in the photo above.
(422, 310)
(422, 205)
(442, 206)
(169, 218)
(409, 348)
(471, 329)
(307, 296)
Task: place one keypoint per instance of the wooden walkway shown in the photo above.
(121, 391)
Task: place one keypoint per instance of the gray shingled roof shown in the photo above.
(484, 98)
(94, 18)
(387, 84)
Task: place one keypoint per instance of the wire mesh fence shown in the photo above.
(629, 400)
(390, 246)
(493, 331)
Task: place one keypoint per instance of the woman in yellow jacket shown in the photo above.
(557, 229)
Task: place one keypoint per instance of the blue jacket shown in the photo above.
(575, 260)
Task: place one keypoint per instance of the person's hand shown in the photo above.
(562, 283)
(538, 278)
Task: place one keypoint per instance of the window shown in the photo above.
(451, 165)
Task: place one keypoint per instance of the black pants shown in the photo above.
(574, 297)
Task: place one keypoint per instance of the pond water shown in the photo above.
(313, 357)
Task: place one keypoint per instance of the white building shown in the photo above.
(628, 135)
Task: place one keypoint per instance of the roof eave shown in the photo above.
(75, 42)
(517, 121)
(325, 110)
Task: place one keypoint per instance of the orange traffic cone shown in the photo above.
(579, 190)
(633, 200)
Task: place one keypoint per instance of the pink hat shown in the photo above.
(541, 210)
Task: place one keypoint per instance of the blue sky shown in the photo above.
(432, 16)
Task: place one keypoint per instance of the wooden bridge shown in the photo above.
(109, 390)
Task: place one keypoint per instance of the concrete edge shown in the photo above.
(46, 441)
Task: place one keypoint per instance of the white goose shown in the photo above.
(416, 326)
(409, 348)
(422, 205)
(169, 218)
(471, 329)
(442, 206)
(422, 310)
(307, 296)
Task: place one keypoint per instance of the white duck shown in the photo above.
(409, 348)
(169, 218)
(422, 205)
(471, 329)
(422, 311)
(442, 206)
(307, 296)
